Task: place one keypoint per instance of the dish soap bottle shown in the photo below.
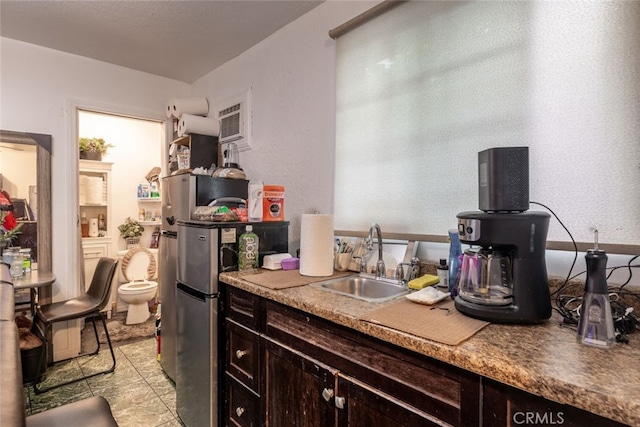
(595, 326)
(248, 253)
(455, 253)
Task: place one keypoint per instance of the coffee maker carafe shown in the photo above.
(506, 279)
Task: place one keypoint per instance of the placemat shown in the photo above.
(282, 279)
(440, 322)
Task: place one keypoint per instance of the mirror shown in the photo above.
(30, 188)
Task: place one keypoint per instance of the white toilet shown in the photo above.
(138, 267)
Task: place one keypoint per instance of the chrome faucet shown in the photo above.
(414, 271)
(380, 268)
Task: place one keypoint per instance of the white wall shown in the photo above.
(38, 86)
(292, 79)
(18, 170)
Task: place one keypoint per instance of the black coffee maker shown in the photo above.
(505, 280)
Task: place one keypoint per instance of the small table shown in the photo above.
(32, 281)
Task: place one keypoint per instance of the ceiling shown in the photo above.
(181, 40)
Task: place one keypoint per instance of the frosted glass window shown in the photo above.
(424, 87)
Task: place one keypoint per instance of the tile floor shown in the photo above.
(139, 392)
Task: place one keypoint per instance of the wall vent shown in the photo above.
(234, 114)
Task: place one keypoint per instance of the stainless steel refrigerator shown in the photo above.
(181, 194)
(197, 304)
(206, 249)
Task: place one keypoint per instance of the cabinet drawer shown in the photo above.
(243, 357)
(243, 307)
(94, 252)
(243, 407)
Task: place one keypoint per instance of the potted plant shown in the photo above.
(131, 230)
(93, 148)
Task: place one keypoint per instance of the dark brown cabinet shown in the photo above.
(294, 369)
(506, 406)
(243, 361)
(298, 389)
(363, 406)
(287, 367)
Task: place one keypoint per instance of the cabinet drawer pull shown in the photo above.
(239, 411)
(241, 353)
(339, 401)
(327, 394)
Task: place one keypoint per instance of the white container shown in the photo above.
(254, 204)
(93, 227)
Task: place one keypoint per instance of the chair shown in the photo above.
(87, 306)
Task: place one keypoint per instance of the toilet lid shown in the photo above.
(138, 252)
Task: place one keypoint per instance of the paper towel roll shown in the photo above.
(195, 124)
(169, 108)
(194, 106)
(316, 245)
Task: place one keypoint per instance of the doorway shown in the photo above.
(107, 188)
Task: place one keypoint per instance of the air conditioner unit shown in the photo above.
(234, 114)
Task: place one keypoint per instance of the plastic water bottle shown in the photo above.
(254, 204)
(455, 252)
(248, 253)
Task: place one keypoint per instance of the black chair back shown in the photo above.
(100, 288)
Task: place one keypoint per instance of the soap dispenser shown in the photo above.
(595, 325)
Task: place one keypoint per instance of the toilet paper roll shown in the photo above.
(195, 124)
(169, 108)
(316, 245)
(194, 106)
(93, 227)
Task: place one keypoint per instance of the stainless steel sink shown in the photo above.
(364, 288)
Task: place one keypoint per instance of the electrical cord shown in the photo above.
(566, 314)
(568, 306)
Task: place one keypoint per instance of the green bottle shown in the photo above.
(248, 253)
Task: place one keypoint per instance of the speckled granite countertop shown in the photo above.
(542, 359)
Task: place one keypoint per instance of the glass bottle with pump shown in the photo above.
(595, 326)
(443, 274)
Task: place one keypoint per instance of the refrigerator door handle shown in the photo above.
(195, 294)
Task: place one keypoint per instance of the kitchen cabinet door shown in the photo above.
(299, 391)
(506, 406)
(360, 405)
